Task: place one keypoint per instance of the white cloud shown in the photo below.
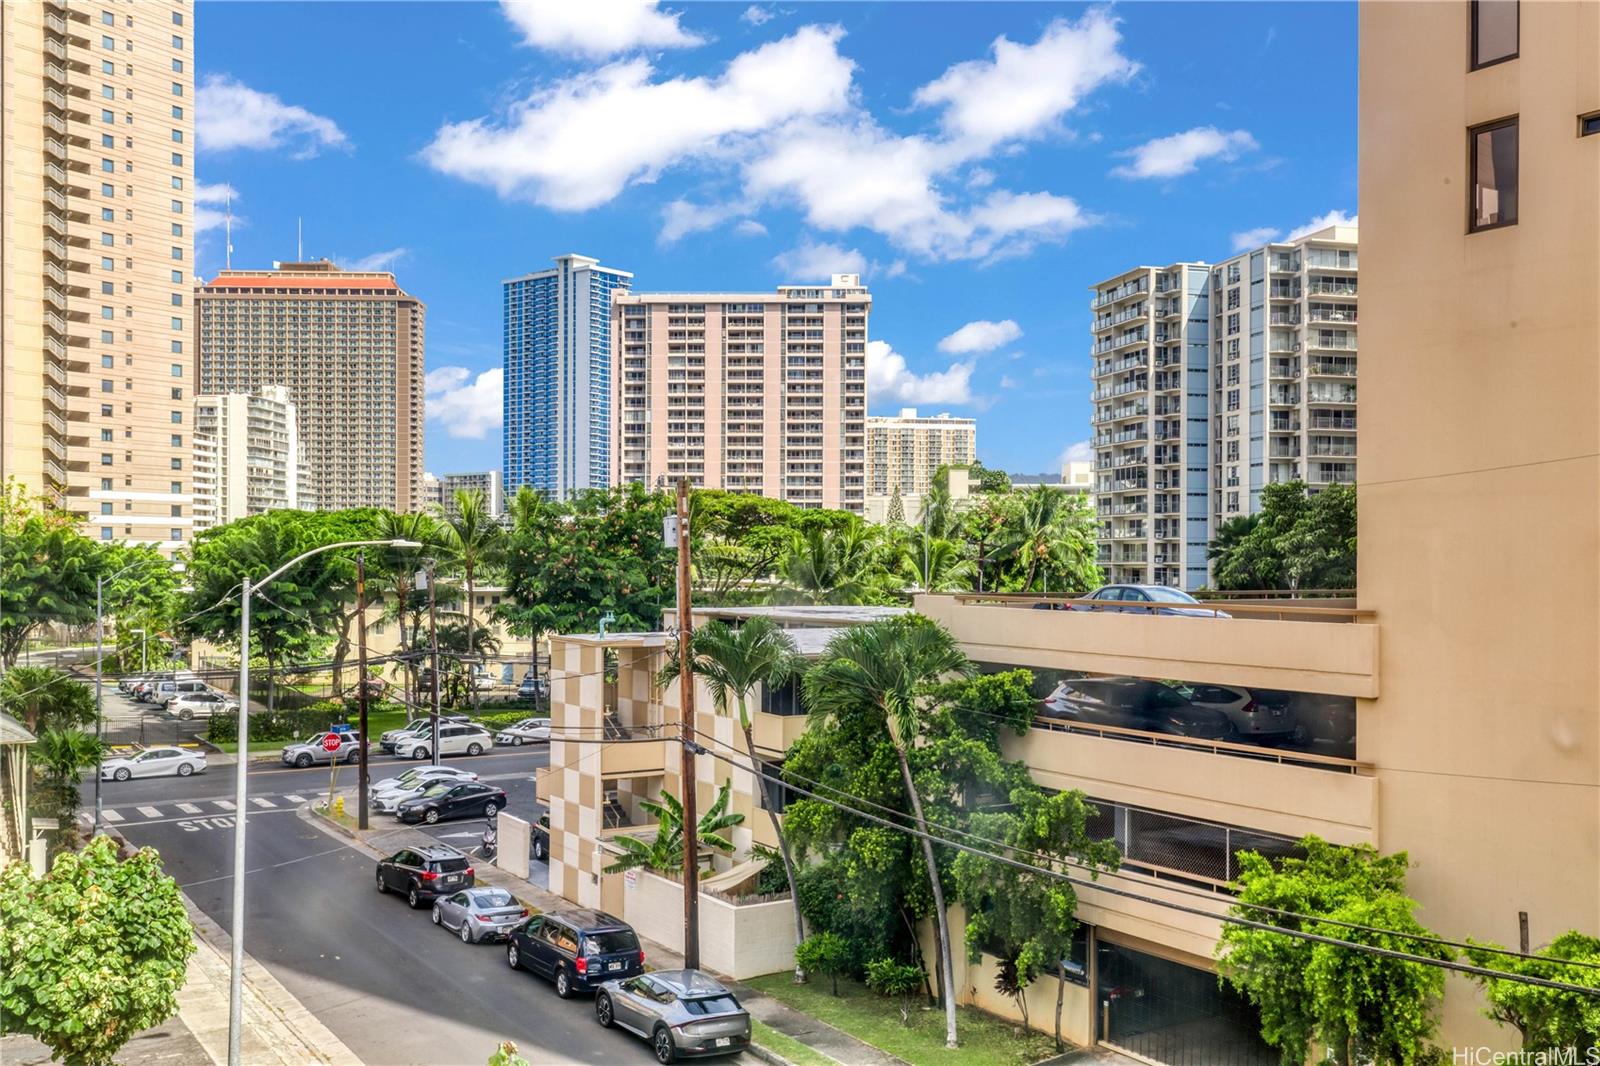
(229, 114)
(1244, 240)
(467, 407)
(888, 378)
(1024, 89)
(1007, 381)
(207, 216)
(980, 178)
(756, 15)
(562, 146)
(1332, 218)
(375, 261)
(583, 30)
(1079, 452)
(749, 227)
(981, 336)
(1181, 153)
(683, 217)
(810, 261)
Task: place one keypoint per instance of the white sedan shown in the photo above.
(420, 777)
(154, 762)
(526, 731)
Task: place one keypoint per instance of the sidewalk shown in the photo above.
(388, 836)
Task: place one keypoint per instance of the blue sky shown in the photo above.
(981, 164)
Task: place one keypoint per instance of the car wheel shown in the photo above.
(185, 769)
(511, 956)
(489, 810)
(185, 714)
(517, 741)
(383, 887)
(1300, 734)
(602, 1010)
(474, 749)
(123, 774)
(438, 918)
(563, 984)
(413, 897)
(466, 932)
(351, 758)
(431, 815)
(661, 1044)
(302, 760)
(539, 850)
(419, 753)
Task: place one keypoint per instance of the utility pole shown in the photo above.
(687, 745)
(433, 641)
(99, 710)
(361, 685)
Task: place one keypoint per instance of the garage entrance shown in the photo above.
(1173, 1014)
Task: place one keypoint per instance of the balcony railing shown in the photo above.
(1121, 292)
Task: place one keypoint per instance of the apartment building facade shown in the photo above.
(348, 345)
(440, 492)
(1151, 352)
(904, 451)
(762, 393)
(246, 456)
(558, 376)
(97, 214)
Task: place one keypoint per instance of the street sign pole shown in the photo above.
(686, 768)
(331, 745)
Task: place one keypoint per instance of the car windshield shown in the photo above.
(492, 898)
(1166, 595)
(437, 789)
(722, 1004)
(610, 942)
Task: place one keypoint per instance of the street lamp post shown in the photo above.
(99, 676)
(144, 649)
(241, 793)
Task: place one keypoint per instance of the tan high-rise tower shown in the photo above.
(96, 369)
(348, 346)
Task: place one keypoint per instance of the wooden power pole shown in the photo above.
(361, 686)
(686, 772)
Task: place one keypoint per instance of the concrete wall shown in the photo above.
(739, 941)
(514, 839)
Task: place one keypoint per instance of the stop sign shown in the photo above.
(330, 742)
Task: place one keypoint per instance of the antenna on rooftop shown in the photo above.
(299, 242)
(228, 255)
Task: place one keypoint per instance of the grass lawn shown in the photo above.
(985, 1040)
(787, 1046)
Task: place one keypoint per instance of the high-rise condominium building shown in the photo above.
(441, 492)
(1152, 328)
(904, 451)
(558, 381)
(751, 392)
(97, 213)
(246, 455)
(1283, 369)
(348, 345)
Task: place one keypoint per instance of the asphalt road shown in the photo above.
(390, 985)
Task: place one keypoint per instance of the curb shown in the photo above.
(767, 1055)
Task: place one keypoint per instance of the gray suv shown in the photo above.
(683, 1013)
(305, 753)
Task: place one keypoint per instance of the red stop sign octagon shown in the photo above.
(330, 742)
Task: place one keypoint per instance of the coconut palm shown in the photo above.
(397, 570)
(831, 565)
(474, 539)
(935, 564)
(59, 757)
(883, 669)
(664, 852)
(733, 662)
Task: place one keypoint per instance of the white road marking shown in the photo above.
(111, 816)
(188, 808)
(226, 805)
(292, 798)
(260, 802)
(150, 812)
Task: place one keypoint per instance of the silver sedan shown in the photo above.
(683, 1013)
(477, 914)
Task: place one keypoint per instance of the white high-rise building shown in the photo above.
(247, 457)
(440, 492)
(904, 451)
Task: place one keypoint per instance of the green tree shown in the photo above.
(896, 514)
(1549, 1019)
(59, 758)
(395, 585)
(934, 564)
(92, 953)
(840, 565)
(48, 569)
(45, 698)
(1298, 540)
(474, 540)
(899, 981)
(824, 953)
(733, 662)
(664, 851)
(1052, 535)
(984, 527)
(1362, 1007)
(884, 671)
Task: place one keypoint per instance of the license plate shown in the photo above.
(724, 1041)
(613, 965)
(452, 879)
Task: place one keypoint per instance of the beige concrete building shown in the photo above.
(246, 456)
(904, 451)
(97, 166)
(1077, 475)
(440, 492)
(750, 392)
(348, 345)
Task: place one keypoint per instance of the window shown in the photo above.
(177, 88)
(108, 92)
(108, 214)
(107, 436)
(177, 18)
(107, 263)
(108, 288)
(108, 361)
(105, 532)
(177, 346)
(107, 141)
(177, 66)
(177, 229)
(177, 394)
(105, 458)
(105, 412)
(177, 323)
(177, 417)
(177, 253)
(108, 165)
(177, 510)
(106, 508)
(108, 67)
(177, 440)
(1494, 32)
(177, 42)
(177, 277)
(177, 464)
(177, 159)
(108, 312)
(177, 534)
(108, 44)
(107, 189)
(1589, 125)
(108, 239)
(177, 370)
(177, 488)
(177, 112)
(1494, 175)
(177, 207)
(177, 299)
(177, 136)
(109, 117)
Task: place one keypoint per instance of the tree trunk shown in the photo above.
(272, 690)
(1061, 991)
(341, 648)
(472, 675)
(942, 919)
(783, 845)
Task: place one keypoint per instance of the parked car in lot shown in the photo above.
(443, 800)
(200, 705)
(1134, 703)
(1250, 716)
(577, 949)
(129, 682)
(1110, 596)
(454, 739)
(412, 774)
(388, 801)
(417, 727)
(306, 752)
(425, 873)
(478, 914)
(526, 731)
(484, 682)
(165, 692)
(533, 688)
(154, 762)
(541, 838)
(683, 1013)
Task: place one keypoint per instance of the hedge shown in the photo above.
(290, 724)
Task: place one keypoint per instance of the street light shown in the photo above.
(144, 656)
(240, 795)
(99, 660)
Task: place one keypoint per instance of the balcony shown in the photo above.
(1331, 448)
(1107, 321)
(1117, 366)
(1332, 368)
(1110, 344)
(1336, 394)
(1332, 314)
(1121, 292)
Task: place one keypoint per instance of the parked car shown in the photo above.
(1134, 703)
(541, 838)
(416, 728)
(484, 682)
(412, 774)
(375, 686)
(577, 949)
(683, 1013)
(443, 800)
(1112, 595)
(306, 752)
(167, 691)
(200, 704)
(454, 739)
(526, 731)
(1251, 717)
(389, 800)
(148, 691)
(154, 762)
(129, 682)
(477, 914)
(425, 873)
(533, 688)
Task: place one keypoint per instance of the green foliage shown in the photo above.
(1363, 1007)
(933, 564)
(92, 953)
(846, 564)
(44, 698)
(58, 760)
(824, 953)
(1051, 541)
(298, 724)
(1298, 540)
(48, 569)
(740, 538)
(896, 980)
(664, 852)
(896, 514)
(506, 1055)
(500, 719)
(1547, 1018)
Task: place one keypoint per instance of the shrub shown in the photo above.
(281, 724)
(827, 953)
(501, 719)
(897, 980)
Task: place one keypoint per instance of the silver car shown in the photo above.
(478, 914)
(683, 1013)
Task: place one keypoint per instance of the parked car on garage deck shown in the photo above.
(1134, 703)
(1110, 596)
(577, 949)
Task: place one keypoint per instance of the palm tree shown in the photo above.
(831, 565)
(60, 756)
(882, 669)
(935, 564)
(44, 698)
(398, 568)
(664, 853)
(733, 662)
(475, 539)
(1037, 529)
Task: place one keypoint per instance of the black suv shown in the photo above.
(541, 838)
(424, 873)
(576, 949)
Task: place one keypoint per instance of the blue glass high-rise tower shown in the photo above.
(558, 376)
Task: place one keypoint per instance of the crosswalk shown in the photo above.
(199, 808)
